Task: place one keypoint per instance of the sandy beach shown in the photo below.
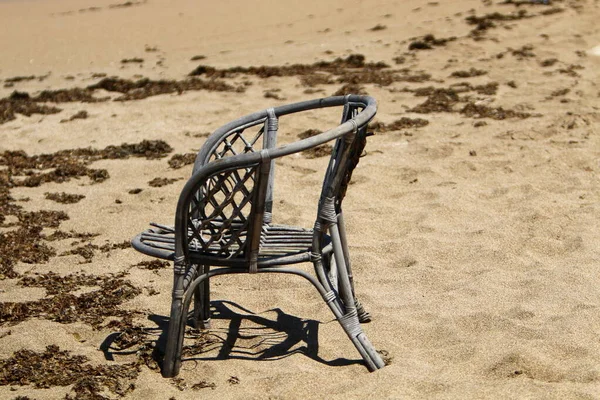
(473, 218)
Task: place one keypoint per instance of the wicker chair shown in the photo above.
(224, 220)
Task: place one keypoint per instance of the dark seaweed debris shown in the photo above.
(22, 103)
(135, 60)
(180, 160)
(56, 284)
(481, 111)
(64, 307)
(402, 123)
(64, 198)
(67, 164)
(22, 245)
(160, 182)
(438, 100)
(55, 367)
(350, 70)
(80, 115)
(468, 74)
(334, 67)
(152, 265)
(350, 88)
(488, 21)
(88, 250)
(428, 42)
(319, 151)
(143, 88)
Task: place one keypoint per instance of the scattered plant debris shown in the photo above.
(64, 198)
(67, 164)
(481, 111)
(152, 265)
(350, 88)
(428, 42)
(438, 100)
(548, 62)
(160, 182)
(80, 115)
(56, 367)
(402, 123)
(378, 27)
(64, 307)
(143, 88)
(468, 74)
(135, 60)
(179, 160)
(204, 385)
(488, 21)
(21, 103)
(308, 133)
(318, 151)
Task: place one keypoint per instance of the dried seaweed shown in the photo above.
(62, 235)
(468, 74)
(180, 160)
(378, 27)
(16, 79)
(80, 115)
(73, 163)
(548, 62)
(308, 133)
(22, 103)
(481, 111)
(87, 251)
(402, 123)
(428, 42)
(134, 60)
(55, 367)
(488, 21)
(143, 88)
(160, 182)
(152, 265)
(336, 67)
(64, 198)
(68, 96)
(22, 245)
(91, 307)
(439, 100)
(204, 385)
(318, 151)
(56, 284)
(350, 88)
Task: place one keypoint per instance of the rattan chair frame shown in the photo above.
(223, 221)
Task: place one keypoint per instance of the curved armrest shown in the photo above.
(232, 172)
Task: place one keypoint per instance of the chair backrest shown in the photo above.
(224, 205)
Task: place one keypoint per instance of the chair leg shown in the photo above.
(350, 319)
(363, 315)
(351, 325)
(202, 301)
(172, 359)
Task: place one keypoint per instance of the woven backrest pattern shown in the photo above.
(239, 141)
(219, 216)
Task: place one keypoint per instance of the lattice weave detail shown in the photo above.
(219, 215)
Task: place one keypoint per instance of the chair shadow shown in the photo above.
(265, 339)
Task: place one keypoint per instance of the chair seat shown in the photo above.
(279, 245)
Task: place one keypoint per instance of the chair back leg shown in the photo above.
(201, 318)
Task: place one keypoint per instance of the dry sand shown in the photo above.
(475, 239)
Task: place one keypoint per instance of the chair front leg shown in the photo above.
(363, 315)
(172, 359)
